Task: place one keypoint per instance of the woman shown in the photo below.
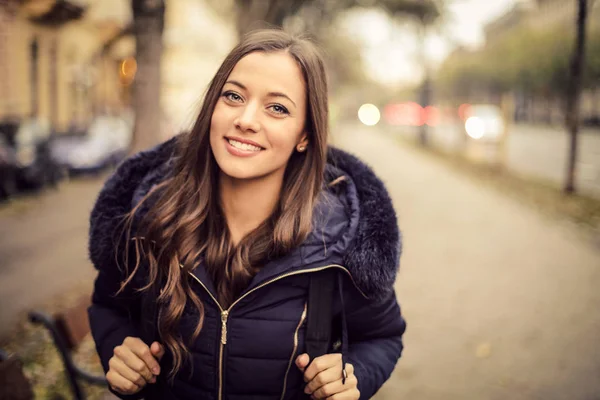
(224, 228)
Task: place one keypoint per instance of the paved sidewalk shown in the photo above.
(43, 248)
(501, 302)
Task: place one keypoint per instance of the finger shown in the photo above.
(352, 394)
(336, 382)
(329, 390)
(158, 350)
(322, 363)
(328, 376)
(122, 369)
(133, 361)
(120, 384)
(302, 361)
(142, 350)
(336, 387)
(349, 369)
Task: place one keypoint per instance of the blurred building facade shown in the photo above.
(56, 62)
(64, 61)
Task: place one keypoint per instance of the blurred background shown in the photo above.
(481, 116)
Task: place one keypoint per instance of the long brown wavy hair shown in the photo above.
(185, 224)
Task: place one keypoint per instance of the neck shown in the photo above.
(247, 203)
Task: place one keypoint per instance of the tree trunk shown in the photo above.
(148, 18)
(574, 94)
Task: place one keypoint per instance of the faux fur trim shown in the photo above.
(372, 256)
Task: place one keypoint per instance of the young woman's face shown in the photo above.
(259, 119)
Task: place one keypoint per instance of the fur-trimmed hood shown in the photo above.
(363, 231)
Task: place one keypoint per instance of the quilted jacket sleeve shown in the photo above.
(375, 329)
(113, 317)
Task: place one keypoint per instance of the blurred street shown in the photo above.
(500, 302)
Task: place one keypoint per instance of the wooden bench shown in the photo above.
(68, 328)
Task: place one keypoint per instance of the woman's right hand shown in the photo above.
(134, 365)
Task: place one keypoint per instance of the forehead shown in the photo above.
(270, 72)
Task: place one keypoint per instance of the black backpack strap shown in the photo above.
(149, 314)
(320, 313)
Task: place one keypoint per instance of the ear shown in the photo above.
(303, 141)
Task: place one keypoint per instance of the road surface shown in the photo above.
(534, 151)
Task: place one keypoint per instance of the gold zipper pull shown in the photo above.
(224, 316)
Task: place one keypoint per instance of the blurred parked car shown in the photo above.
(484, 122)
(8, 170)
(592, 122)
(105, 144)
(27, 163)
(8, 160)
(37, 168)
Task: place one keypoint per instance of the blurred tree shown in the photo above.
(426, 12)
(574, 94)
(317, 17)
(343, 58)
(592, 58)
(148, 25)
(593, 55)
(538, 65)
(252, 14)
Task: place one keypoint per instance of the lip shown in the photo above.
(237, 139)
(238, 152)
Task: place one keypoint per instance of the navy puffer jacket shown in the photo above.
(248, 351)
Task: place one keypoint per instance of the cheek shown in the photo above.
(286, 137)
(217, 121)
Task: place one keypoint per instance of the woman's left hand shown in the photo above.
(324, 378)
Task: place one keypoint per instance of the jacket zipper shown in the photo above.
(225, 313)
(302, 318)
(224, 316)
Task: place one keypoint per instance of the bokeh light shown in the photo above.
(475, 127)
(369, 114)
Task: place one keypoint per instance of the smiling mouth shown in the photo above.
(243, 146)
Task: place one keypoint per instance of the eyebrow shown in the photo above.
(270, 94)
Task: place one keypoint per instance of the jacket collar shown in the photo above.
(355, 224)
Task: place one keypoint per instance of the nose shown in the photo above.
(247, 120)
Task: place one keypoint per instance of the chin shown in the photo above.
(247, 170)
(238, 173)
(238, 169)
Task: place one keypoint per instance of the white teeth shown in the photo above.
(243, 146)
